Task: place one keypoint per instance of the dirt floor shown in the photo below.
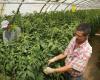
(93, 68)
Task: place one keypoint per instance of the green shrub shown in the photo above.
(43, 36)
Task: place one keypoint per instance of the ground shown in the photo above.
(92, 71)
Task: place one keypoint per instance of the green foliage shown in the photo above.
(43, 36)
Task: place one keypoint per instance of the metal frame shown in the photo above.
(87, 3)
(3, 2)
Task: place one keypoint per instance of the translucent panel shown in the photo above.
(29, 6)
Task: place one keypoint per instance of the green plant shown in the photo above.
(43, 36)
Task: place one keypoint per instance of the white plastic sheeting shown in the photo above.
(30, 6)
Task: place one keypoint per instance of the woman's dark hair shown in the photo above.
(85, 27)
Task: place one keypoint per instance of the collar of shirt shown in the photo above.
(83, 44)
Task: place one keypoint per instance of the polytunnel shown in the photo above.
(34, 32)
(7, 6)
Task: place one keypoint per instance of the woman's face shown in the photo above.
(80, 37)
(7, 27)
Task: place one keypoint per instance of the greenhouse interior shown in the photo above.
(49, 39)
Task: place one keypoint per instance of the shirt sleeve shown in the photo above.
(69, 46)
(18, 32)
(5, 39)
(79, 63)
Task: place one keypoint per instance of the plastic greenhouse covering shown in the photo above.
(7, 6)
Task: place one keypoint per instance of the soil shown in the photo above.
(92, 71)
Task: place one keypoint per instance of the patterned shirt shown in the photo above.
(77, 58)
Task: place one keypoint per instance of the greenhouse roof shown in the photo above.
(7, 6)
